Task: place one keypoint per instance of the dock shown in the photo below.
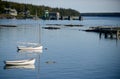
(107, 31)
(71, 18)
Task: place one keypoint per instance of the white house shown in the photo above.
(11, 11)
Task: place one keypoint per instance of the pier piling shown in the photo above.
(118, 34)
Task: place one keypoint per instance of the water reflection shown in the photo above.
(20, 67)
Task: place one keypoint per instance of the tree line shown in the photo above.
(21, 7)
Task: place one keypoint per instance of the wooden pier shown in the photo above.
(71, 18)
(108, 32)
(112, 33)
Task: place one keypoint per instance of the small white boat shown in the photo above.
(30, 47)
(20, 62)
(30, 51)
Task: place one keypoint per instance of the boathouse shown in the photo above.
(54, 15)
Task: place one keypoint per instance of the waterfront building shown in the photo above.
(10, 11)
(54, 15)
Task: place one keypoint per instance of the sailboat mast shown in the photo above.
(39, 35)
(36, 14)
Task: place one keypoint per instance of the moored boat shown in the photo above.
(30, 51)
(20, 62)
(30, 47)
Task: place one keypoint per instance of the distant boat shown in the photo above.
(20, 62)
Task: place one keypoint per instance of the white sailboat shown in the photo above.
(31, 46)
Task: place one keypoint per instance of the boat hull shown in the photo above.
(30, 48)
(30, 51)
(20, 62)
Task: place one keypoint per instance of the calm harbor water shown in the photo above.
(77, 54)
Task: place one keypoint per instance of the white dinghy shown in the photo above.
(29, 46)
(20, 62)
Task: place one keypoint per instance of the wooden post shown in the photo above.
(118, 34)
(80, 18)
(61, 18)
(100, 34)
(106, 35)
(111, 35)
(69, 17)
